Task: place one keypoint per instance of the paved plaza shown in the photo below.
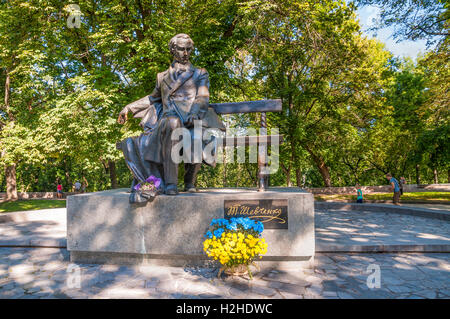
(35, 264)
(338, 230)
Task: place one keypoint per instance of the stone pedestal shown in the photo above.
(104, 227)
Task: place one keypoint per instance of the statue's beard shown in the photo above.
(182, 60)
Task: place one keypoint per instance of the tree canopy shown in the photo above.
(351, 111)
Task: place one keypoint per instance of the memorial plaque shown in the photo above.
(273, 213)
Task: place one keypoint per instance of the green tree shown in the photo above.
(313, 57)
(24, 89)
(413, 19)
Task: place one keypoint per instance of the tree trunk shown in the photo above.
(288, 179)
(10, 170)
(112, 173)
(325, 172)
(287, 172)
(435, 174)
(68, 178)
(11, 185)
(298, 176)
(224, 178)
(417, 174)
(7, 92)
(322, 167)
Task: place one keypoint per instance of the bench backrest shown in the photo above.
(247, 107)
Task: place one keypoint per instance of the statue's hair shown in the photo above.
(173, 41)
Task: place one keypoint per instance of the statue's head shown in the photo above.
(181, 47)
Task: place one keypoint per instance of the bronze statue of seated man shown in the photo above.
(180, 97)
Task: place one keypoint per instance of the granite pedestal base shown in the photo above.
(103, 227)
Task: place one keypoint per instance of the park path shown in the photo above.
(39, 228)
(47, 273)
(438, 207)
(27, 272)
(338, 230)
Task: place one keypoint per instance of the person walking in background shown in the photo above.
(77, 186)
(84, 185)
(359, 194)
(395, 187)
(59, 191)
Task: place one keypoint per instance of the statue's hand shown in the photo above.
(123, 116)
(190, 120)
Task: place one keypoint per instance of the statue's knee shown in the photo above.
(174, 122)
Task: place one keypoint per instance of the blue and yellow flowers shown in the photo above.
(235, 241)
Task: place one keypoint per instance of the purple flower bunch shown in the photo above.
(151, 184)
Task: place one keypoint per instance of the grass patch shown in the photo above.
(416, 196)
(31, 204)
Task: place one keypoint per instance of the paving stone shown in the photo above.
(287, 295)
(376, 294)
(245, 287)
(445, 291)
(132, 283)
(274, 271)
(356, 228)
(151, 284)
(292, 288)
(313, 279)
(413, 296)
(428, 294)
(169, 285)
(442, 295)
(330, 285)
(123, 292)
(312, 296)
(236, 292)
(399, 289)
(209, 296)
(236, 280)
(263, 291)
(329, 293)
(12, 294)
(344, 295)
(391, 280)
(32, 290)
(199, 288)
(21, 270)
(8, 285)
(275, 284)
(314, 290)
(295, 278)
(42, 272)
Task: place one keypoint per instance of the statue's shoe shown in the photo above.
(171, 190)
(190, 188)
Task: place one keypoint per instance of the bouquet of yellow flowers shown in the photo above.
(235, 242)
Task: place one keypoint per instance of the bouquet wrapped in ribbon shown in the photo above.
(149, 188)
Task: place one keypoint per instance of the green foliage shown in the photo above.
(350, 111)
(415, 19)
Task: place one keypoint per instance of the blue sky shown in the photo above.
(404, 49)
